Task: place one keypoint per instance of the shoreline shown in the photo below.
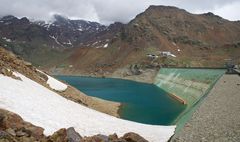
(105, 106)
(114, 108)
(179, 99)
(147, 76)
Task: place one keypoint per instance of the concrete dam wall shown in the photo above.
(188, 86)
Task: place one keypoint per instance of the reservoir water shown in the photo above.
(144, 103)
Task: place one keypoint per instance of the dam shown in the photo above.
(188, 85)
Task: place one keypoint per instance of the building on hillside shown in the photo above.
(167, 53)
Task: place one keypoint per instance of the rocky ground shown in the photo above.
(218, 117)
(14, 129)
(146, 76)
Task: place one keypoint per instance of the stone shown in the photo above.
(11, 131)
(20, 133)
(4, 71)
(5, 137)
(3, 134)
(113, 137)
(59, 136)
(133, 137)
(36, 132)
(96, 138)
(72, 135)
(2, 117)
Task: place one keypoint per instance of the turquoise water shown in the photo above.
(144, 103)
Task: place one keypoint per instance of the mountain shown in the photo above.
(61, 32)
(160, 36)
(196, 40)
(39, 42)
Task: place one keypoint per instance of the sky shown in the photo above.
(109, 11)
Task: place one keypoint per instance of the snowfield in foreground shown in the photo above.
(44, 108)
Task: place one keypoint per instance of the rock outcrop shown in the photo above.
(14, 129)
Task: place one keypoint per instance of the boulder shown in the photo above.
(72, 135)
(11, 132)
(113, 137)
(15, 127)
(96, 138)
(6, 72)
(5, 137)
(133, 137)
(59, 136)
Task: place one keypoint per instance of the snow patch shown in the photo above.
(6, 39)
(45, 108)
(54, 83)
(95, 43)
(56, 40)
(172, 55)
(152, 56)
(48, 25)
(68, 43)
(105, 46)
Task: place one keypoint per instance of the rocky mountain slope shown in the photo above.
(160, 36)
(39, 42)
(61, 32)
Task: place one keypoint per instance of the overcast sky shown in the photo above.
(108, 11)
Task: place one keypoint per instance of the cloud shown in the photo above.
(109, 11)
(229, 11)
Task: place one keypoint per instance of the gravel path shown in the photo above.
(218, 117)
